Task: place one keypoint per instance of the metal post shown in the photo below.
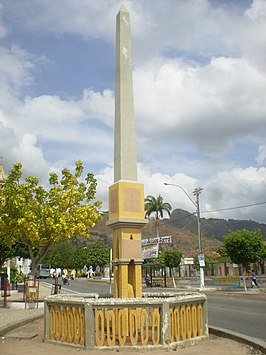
(56, 286)
(5, 292)
(164, 276)
(110, 270)
(196, 192)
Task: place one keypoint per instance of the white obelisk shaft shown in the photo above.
(125, 159)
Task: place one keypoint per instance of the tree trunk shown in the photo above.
(36, 260)
(2, 260)
(262, 267)
(173, 277)
(157, 228)
(33, 263)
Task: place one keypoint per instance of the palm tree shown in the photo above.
(156, 205)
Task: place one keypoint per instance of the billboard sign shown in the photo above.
(201, 260)
(162, 240)
(188, 261)
(149, 251)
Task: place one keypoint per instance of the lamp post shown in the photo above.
(196, 193)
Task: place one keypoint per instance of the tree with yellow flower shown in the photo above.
(42, 217)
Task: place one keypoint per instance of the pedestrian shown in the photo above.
(90, 272)
(65, 279)
(148, 281)
(254, 279)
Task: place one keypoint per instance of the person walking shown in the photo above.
(65, 279)
(254, 279)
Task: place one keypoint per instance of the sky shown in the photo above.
(199, 77)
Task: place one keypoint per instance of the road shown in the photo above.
(82, 285)
(242, 313)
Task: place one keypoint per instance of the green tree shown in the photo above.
(171, 258)
(61, 256)
(8, 252)
(80, 257)
(99, 254)
(223, 256)
(5, 252)
(40, 217)
(15, 275)
(243, 246)
(262, 258)
(158, 206)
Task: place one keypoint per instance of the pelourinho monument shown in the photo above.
(126, 195)
(131, 319)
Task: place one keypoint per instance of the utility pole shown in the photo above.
(196, 193)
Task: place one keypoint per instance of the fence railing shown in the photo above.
(147, 322)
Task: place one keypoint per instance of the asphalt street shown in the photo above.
(243, 313)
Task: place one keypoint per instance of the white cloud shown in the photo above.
(251, 36)
(227, 189)
(52, 120)
(261, 158)
(31, 155)
(237, 187)
(100, 105)
(257, 10)
(16, 66)
(208, 105)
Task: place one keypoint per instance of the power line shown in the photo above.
(234, 208)
(222, 209)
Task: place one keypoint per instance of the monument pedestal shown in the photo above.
(126, 207)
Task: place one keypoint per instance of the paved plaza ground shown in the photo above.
(28, 339)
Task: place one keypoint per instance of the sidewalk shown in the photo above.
(24, 328)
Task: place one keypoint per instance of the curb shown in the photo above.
(15, 325)
(240, 338)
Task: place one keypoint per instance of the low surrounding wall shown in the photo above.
(154, 321)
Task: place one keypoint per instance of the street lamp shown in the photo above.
(196, 193)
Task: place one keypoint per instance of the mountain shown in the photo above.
(214, 227)
(183, 228)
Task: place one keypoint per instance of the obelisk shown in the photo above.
(125, 159)
(126, 195)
